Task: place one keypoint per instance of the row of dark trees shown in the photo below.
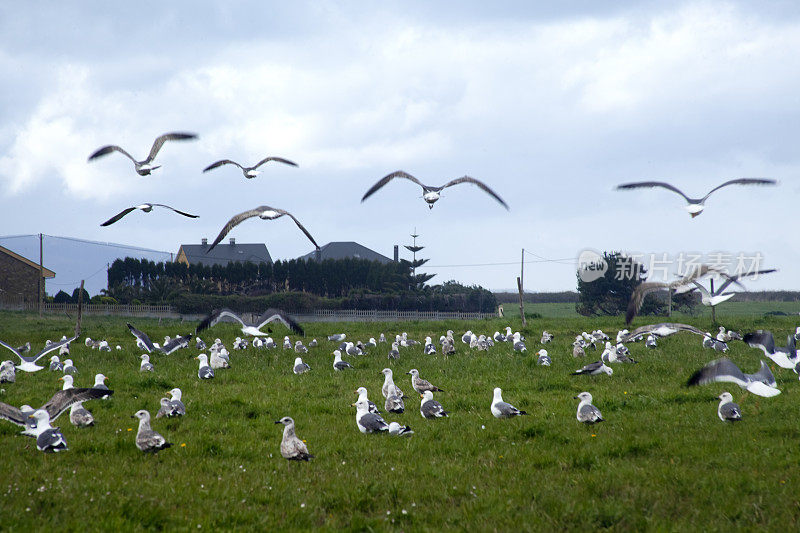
(343, 283)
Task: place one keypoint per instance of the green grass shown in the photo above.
(662, 460)
(724, 311)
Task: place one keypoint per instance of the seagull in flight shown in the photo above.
(60, 402)
(143, 207)
(263, 212)
(28, 364)
(761, 383)
(144, 167)
(430, 193)
(695, 206)
(250, 328)
(639, 294)
(716, 297)
(249, 172)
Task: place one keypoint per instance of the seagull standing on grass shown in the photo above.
(177, 404)
(587, 413)
(695, 206)
(430, 408)
(145, 166)
(420, 385)
(338, 364)
(48, 438)
(292, 448)
(299, 366)
(204, 371)
(501, 409)
(593, 369)
(146, 365)
(148, 440)
(369, 422)
(8, 373)
(362, 395)
(727, 410)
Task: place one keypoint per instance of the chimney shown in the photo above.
(204, 241)
(396, 253)
(233, 241)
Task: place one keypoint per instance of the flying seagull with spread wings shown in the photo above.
(143, 207)
(249, 172)
(145, 166)
(714, 297)
(637, 298)
(761, 383)
(695, 206)
(430, 193)
(250, 328)
(28, 364)
(60, 402)
(265, 213)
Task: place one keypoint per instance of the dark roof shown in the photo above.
(345, 250)
(222, 254)
(46, 272)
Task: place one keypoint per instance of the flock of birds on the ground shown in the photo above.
(37, 423)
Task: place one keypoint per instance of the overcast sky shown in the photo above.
(551, 105)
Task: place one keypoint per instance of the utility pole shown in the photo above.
(713, 307)
(669, 302)
(519, 287)
(40, 282)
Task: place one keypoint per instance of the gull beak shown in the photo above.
(133, 416)
(421, 395)
(575, 398)
(408, 373)
(277, 421)
(31, 416)
(352, 405)
(61, 379)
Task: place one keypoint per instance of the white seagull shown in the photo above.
(292, 448)
(148, 440)
(430, 408)
(145, 208)
(250, 328)
(264, 213)
(299, 366)
(249, 172)
(762, 383)
(204, 371)
(501, 409)
(587, 413)
(28, 363)
(430, 193)
(784, 356)
(369, 422)
(727, 410)
(144, 167)
(695, 206)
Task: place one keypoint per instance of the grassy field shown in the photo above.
(724, 311)
(661, 461)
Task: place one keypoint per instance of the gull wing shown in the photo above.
(480, 184)
(299, 225)
(759, 388)
(719, 370)
(179, 212)
(278, 159)
(651, 184)
(161, 139)
(12, 414)
(16, 352)
(761, 338)
(142, 336)
(220, 315)
(221, 162)
(389, 177)
(107, 150)
(118, 216)
(236, 220)
(47, 349)
(733, 279)
(271, 315)
(63, 399)
(741, 181)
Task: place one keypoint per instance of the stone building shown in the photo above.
(19, 278)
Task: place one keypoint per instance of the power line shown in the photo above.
(560, 261)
